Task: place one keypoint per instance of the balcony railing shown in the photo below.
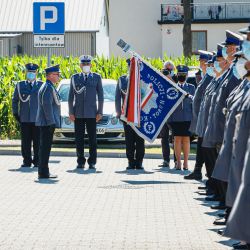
(201, 12)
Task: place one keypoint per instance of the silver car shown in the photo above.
(108, 128)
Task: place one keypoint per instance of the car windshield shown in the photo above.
(108, 92)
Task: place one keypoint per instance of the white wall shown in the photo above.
(136, 22)
(102, 37)
(172, 36)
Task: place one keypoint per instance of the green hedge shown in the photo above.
(13, 70)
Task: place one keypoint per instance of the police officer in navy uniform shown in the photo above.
(85, 90)
(180, 119)
(168, 71)
(204, 57)
(48, 118)
(24, 108)
(135, 145)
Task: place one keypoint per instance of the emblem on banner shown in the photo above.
(149, 127)
(172, 93)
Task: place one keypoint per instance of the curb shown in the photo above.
(101, 155)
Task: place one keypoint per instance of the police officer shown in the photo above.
(48, 118)
(85, 89)
(24, 108)
(135, 145)
(168, 71)
(181, 118)
(204, 57)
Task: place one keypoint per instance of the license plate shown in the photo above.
(100, 131)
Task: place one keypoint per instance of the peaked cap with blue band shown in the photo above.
(31, 67)
(205, 55)
(55, 68)
(219, 50)
(213, 59)
(232, 39)
(183, 69)
(245, 30)
(85, 59)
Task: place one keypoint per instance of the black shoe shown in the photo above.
(193, 176)
(202, 188)
(220, 222)
(139, 166)
(129, 167)
(92, 166)
(50, 176)
(212, 198)
(25, 166)
(240, 246)
(218, 207)
(220, 231)
(205, 193)
(80, 166)
(165, 164)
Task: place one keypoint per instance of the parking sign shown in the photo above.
(48, 18)
(48, 24)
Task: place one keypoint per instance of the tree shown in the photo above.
(187, 35)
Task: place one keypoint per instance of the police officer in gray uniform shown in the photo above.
(232, 43)
(204, 57)
(209, 153)
(239, 219)
(48, 118)
(135, 145)
(85, 90)
(24, 108)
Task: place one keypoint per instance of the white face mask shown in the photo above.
(240, 67)
(86, 69)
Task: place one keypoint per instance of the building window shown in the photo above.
(199, 40)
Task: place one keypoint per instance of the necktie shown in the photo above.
(85, 77)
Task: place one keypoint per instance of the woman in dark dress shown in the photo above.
(181, 118)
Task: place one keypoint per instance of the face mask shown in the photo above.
(240, 67)
(210, 71)
(86, 69)
(31, 76)
(181, 78)
(217, 66)
(224, 53)
(246, 49)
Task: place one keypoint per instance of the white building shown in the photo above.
(154, 27)
(86, 28)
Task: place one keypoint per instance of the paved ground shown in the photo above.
(109, 209)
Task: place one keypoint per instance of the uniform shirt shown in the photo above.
(120, 93)
(183, 112)
(48, 113)
(25, 100)
(83, 95)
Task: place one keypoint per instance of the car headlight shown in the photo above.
(67, 121)
(114, 120)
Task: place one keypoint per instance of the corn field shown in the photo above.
(13, 70)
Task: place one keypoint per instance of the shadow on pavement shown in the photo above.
(46, 181)
(23, 170)
(54, 161)
(83, 171)
(132, 182)
(133, 172)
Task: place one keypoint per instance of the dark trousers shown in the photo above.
(165, 143)
(199, 156)
(135, 147)
(210, 155)
(90, 124)
(46, 138)
(29, 134)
